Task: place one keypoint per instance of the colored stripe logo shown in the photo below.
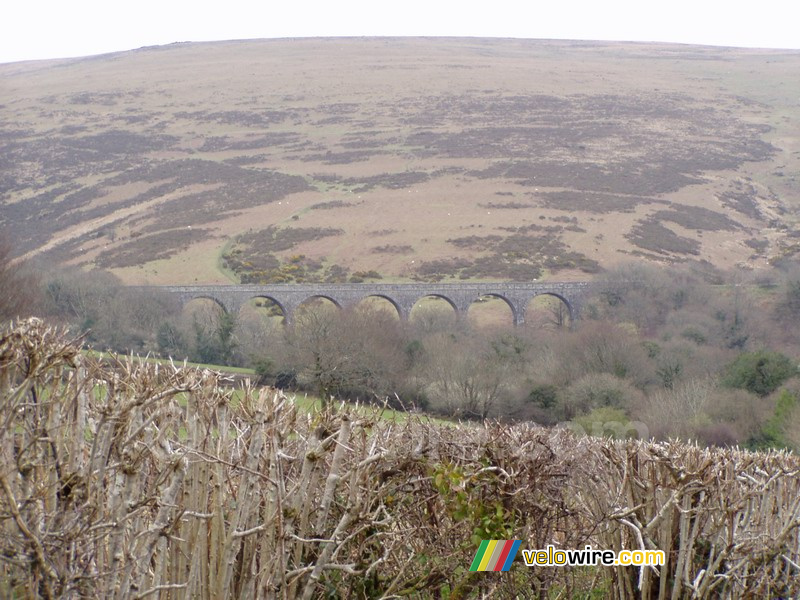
(495, 555)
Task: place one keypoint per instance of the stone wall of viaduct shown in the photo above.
(403, 296)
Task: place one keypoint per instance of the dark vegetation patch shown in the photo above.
(101, 98)
(518, 257)
(68, 251)
(653, 236)
(695, 217)
(611, 178)
(180, 215)
(591, 201)
(786, 255)
(608, 143)
(339, 108)
(10, 132)
(332, 120)
(435, 270)
(252, 257)
(304, 146)
(273, 239)
(238, 187)
(476, 242)
(548, 250)
(392, 249)
(233, 188)
(260, 142)
(533, 227)
(50, 161)
(41, 200)
(297, 269)
(392, 181)
(759, 245)
(133, 119)
(361, 143)
(505, 205)
(119, 142)
(362, 276)
(330, 204)
(152, 247)
(742, 199)
(341, 158)
(246, 159)
(73, 129)
(247, 118)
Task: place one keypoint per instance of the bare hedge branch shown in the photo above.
(123, 479)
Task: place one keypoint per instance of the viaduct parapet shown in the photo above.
(403, 296)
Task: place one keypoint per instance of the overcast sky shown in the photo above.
(31, 29)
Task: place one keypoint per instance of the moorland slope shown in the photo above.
(334, 159)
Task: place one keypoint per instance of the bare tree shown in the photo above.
(349, 352)
(466, 376)
(680, 410)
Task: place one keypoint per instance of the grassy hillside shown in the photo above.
(333, 159)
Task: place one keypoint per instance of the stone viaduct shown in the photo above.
(403, 296)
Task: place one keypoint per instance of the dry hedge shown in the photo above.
(125, 479)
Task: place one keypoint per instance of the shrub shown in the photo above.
(264, 368)
(596, 390)
(760, 372)
(773, 433)
(544, 395)
(718, 434)
(738, 409)
(606, 421)
(694, 334)
(286, 380)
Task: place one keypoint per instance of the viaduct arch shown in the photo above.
(403, 296)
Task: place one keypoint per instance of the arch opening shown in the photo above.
(491, 311)
(548, 311)
(433, 312)
(195, 303)
(265, 308)
(207, 332)
(260, 328)
(318, 305)
(380, 304)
